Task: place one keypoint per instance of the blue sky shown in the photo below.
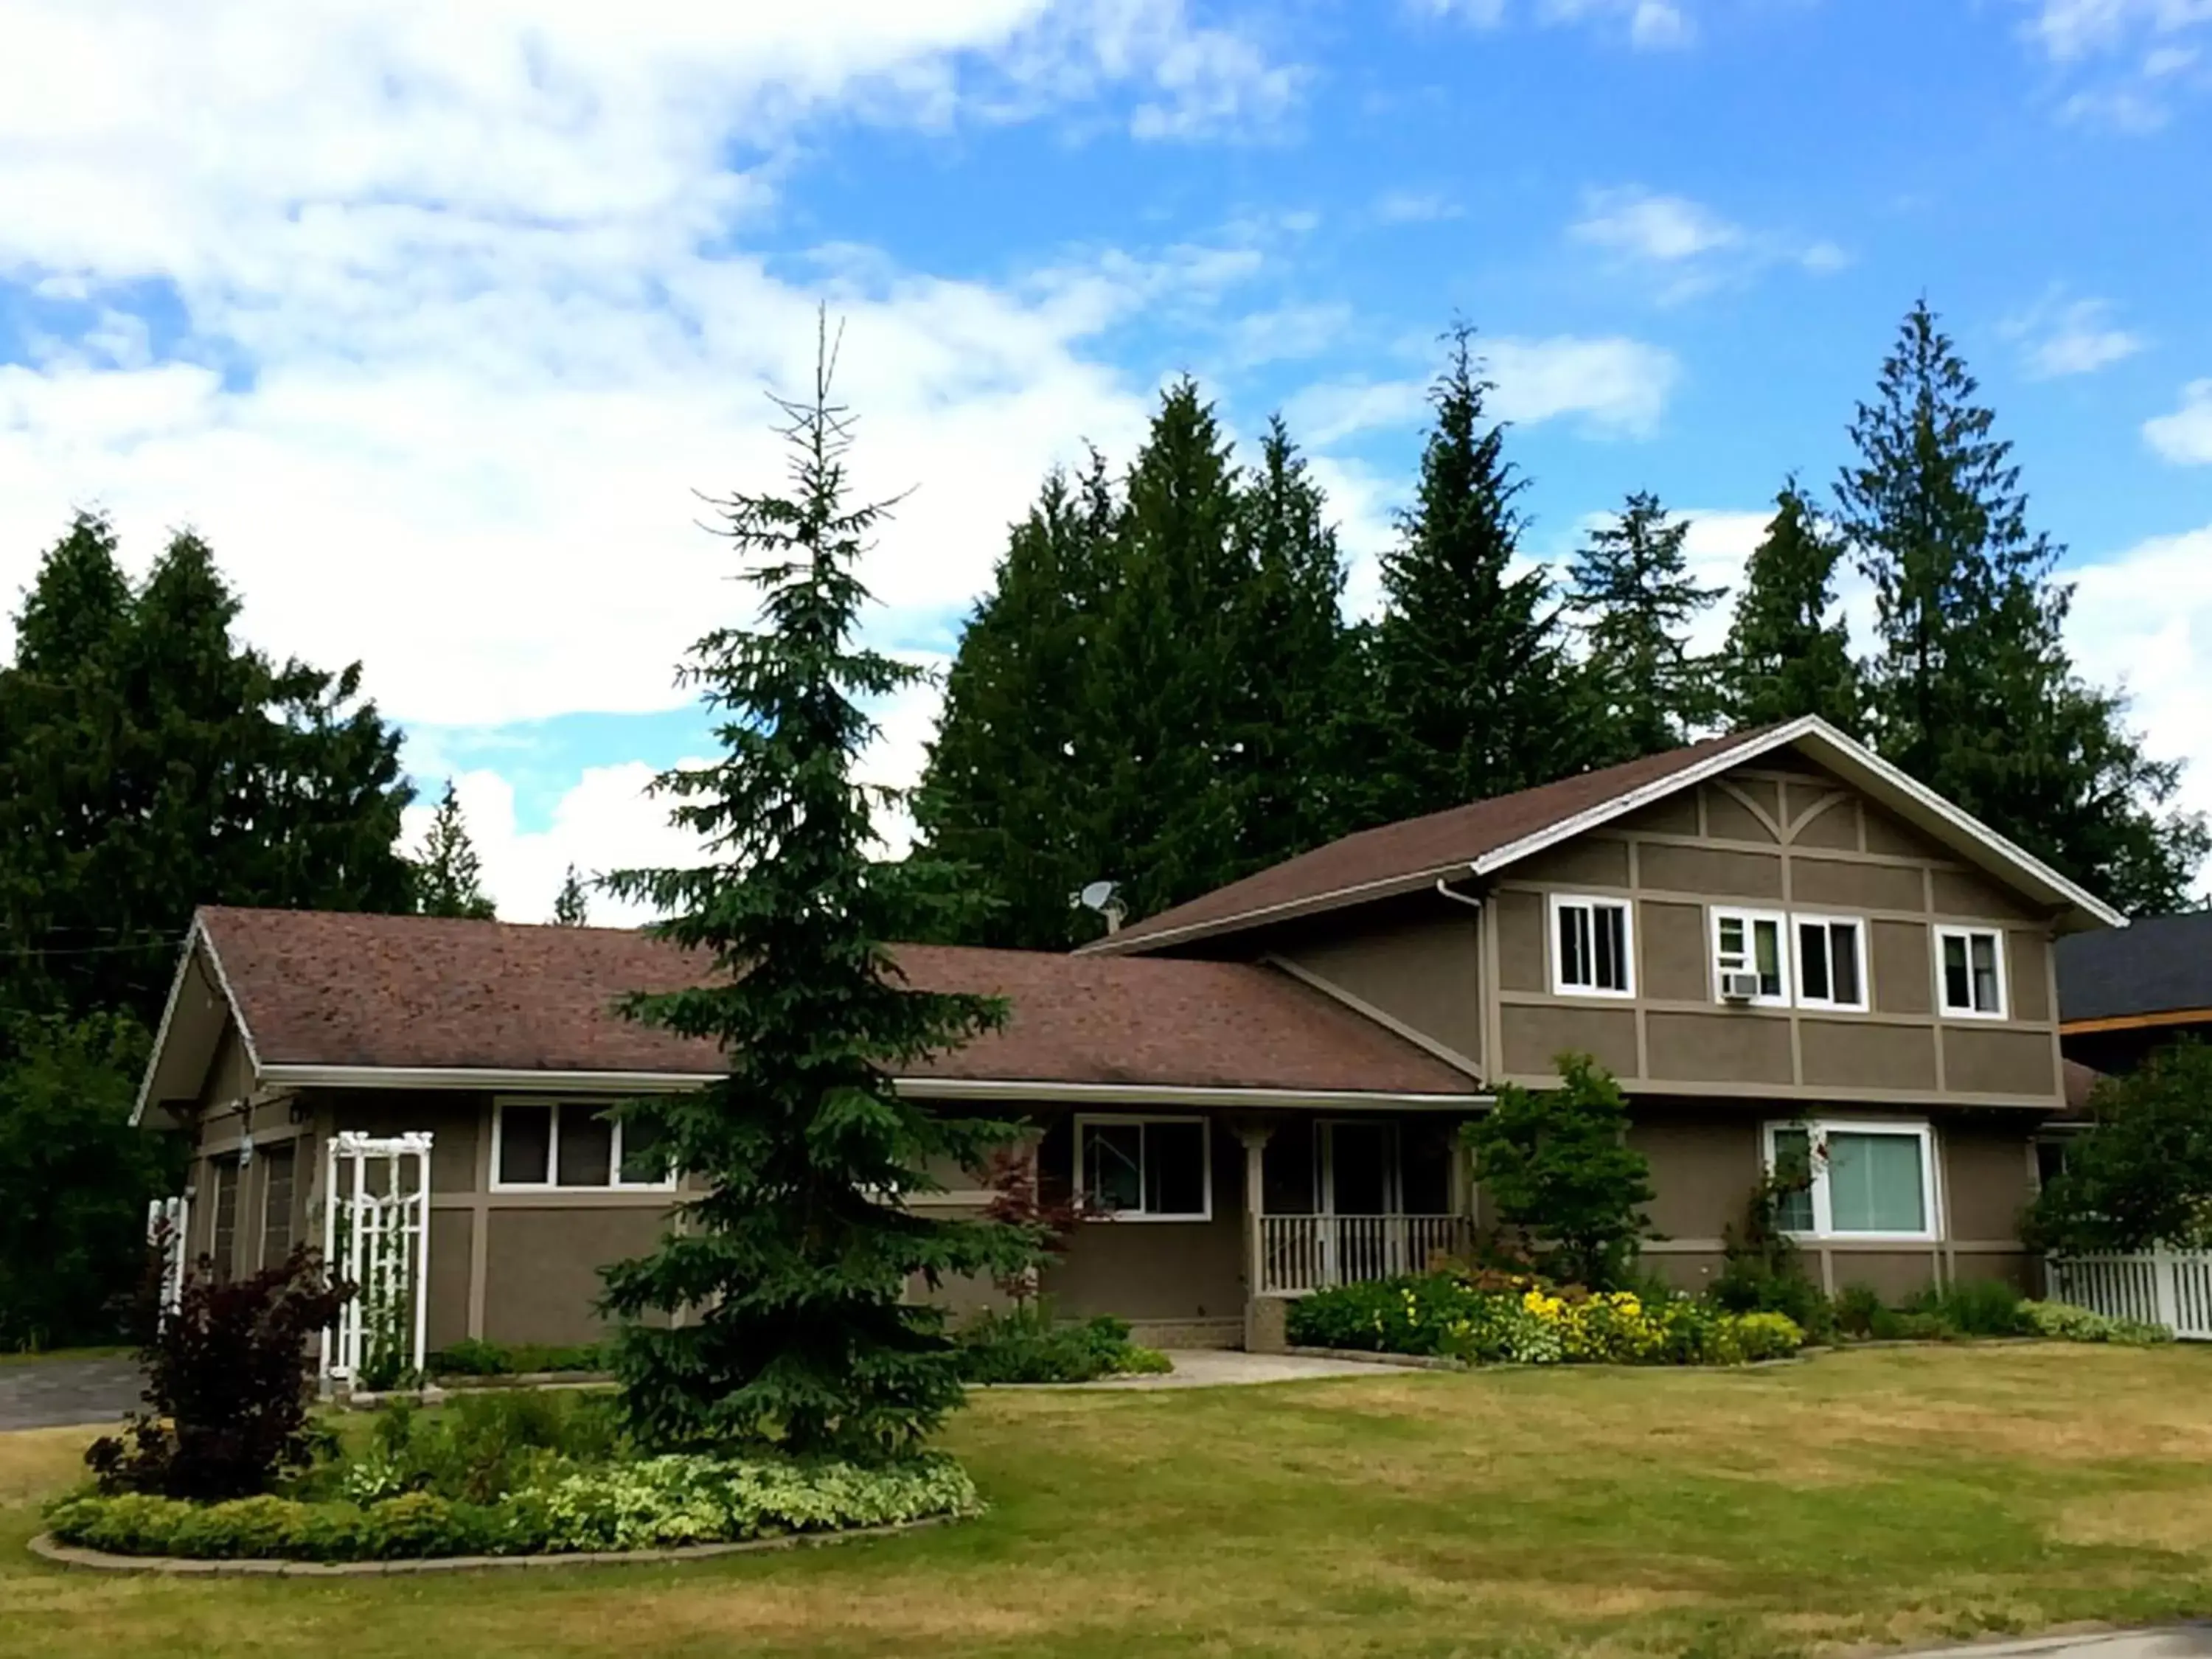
(431, 323)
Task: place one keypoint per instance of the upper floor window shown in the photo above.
(1831, 963)
(573, 1144)
(1970, 972)
(1749, 958)
(1591, 947)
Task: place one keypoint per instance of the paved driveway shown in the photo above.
(2180, 1642)
(39, 1393)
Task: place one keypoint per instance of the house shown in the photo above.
(2124, 994)
(1775, 940)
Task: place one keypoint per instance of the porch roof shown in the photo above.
(324, 993)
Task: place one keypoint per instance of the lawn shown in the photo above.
(1888, 1498)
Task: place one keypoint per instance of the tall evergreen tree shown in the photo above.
(1462, 697)
(1973, 691)
(1632, 586)
(1166, 688)
(448, 876)
(571, 907)
(791, 1265)
(1009, 788)
(1286, 777)
(1788, 653)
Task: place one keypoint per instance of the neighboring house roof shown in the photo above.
(1486, 835)
(2157, 972)
(320, 995)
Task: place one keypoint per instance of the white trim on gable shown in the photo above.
(197, 938)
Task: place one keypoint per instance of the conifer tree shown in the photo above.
(1788, 651)
(1462, 695)
(448, 877)
(1631, 584)
(791, 1265)
(1009, 790)
(1973, 691)
(571, 908)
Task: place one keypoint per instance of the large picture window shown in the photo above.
(1145, 1169)
(539, 1145)
(1592, 947)
(1970, 972)
(1868, 1180)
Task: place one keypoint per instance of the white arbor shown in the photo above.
(376, 1233)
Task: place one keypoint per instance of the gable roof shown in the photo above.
(320, 997)
(1486, 835)
(2162, 965)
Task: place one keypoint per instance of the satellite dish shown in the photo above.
(1097, 897)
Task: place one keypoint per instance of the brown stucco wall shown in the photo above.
(1996, 1059)
(1723, 1045)
(447, 1318)
(1847, 1055)
(1989, 1173)
(542, 1268)
(453, 1118)
(1676, 951)
(1721, 872)
(1420, 964)
(1152, 1271)
(1703, 1165)
(1535, 1034)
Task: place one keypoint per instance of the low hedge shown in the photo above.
(1028, 1344)
(1528, 1322)
(2064, 1322)
(652, 1503)
(472, 1357)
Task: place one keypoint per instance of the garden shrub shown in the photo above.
(654, 1503)
(480, 1447)
(1857, 1310)
(1977, 1307)
(2064, 1322)
(229, 1374)
(1493, 1319)
(1762, 1269)
(473, 1357)
(1026, 1344)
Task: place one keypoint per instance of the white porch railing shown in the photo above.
(2173, 1288)
(1302, 1252)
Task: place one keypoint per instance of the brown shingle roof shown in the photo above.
(321, 989)
(1415, 850)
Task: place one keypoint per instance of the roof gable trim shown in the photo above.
(197, 937)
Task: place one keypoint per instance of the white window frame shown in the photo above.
(561, 1106)
(1968, 934)
(1084, 1120)
(1590, 902)
(1817, 1131)
(1864, 1002)
(1784, 960)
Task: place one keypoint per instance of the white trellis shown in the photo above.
(166, 1221)
(376, 1233)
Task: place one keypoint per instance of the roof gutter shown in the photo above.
(425, 1077)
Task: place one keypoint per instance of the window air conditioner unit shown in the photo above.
(1739, 988)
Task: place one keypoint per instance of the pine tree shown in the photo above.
(1973, 691)
(1286, 780)
(1788, 653)
(448, 877)
(1162, 701)
(571, 908)
(1631, 584)
(791, 1266)
(1462, 697)
(1009, 789)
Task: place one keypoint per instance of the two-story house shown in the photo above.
(1775, 940)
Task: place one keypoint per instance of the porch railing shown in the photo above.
(1302, 1252)
(2173, 1288)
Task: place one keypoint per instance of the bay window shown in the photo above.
(1864, 1180)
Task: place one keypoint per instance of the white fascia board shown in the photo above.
(197, 938)
(920, 1088)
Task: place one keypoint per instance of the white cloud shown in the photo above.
(2131, 52)
(2072, 29)
(2060, 337)
(1619, 387)
(2184, 437)
(1480, 14)
(1413, 207)
(1652, 25)
(1688, 247)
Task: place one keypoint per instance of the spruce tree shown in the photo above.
(1286, 778)
(1788, 653)
(448, 877)
(1643, 691)
(1972, 691)
(1008, 792)
(790, 1267)
(571, 908)
(1463, 694)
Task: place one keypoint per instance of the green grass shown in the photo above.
(1894, 1497)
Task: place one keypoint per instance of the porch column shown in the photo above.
(1263, 1325)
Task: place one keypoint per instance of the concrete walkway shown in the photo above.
(46, 1394)
(1215, 1368)
(2180, 1642)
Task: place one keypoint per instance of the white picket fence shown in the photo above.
(1302, 1252)
(2173, 1288)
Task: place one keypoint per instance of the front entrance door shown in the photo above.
(1360, 1197)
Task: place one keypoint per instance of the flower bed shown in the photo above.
(652, 1503)
(1496, 1318)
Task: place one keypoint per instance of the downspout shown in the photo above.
(1444, 887)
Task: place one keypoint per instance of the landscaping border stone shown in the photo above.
(1412, 1362)
(48, 1548)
